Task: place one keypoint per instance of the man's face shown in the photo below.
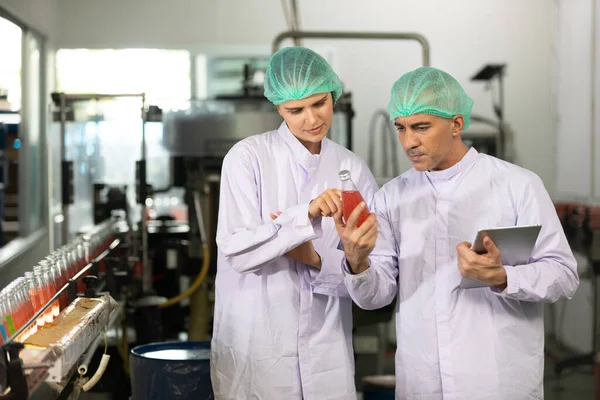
(309, 119)
(428, 140)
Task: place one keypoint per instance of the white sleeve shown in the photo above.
(552, 271)
(243, 237)
(330, 279)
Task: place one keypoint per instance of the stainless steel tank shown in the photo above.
(210, 128)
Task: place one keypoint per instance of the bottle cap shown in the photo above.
(344, 175)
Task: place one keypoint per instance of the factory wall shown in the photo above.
(463, 37)
(38, 14)
(578, 89)
(22, 253)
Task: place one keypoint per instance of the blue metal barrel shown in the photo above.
(171, 371)
(379, 387)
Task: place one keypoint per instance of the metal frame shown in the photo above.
(25, 167)
(355, 35)
(593, 106)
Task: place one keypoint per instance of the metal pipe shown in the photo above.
(200, 218)
(485, 120)
(502, 152)
(78, 275)
(373, 134)
(596, 297)
(392, 147)
(593, 107)
(98, 96)
(143, 127)
(355, 35)
(295, 21)
(595, 319)
(63, 157)
(147, 270)
(389, 146)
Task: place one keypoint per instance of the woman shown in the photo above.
(283, 317)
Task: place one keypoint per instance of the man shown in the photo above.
(283, 315)
(453, 343)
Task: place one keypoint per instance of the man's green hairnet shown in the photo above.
(428, 90)
(295, 73)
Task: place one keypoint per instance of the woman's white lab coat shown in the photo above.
(282, 330)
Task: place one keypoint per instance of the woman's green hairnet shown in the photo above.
(428, 90)
(295, 73)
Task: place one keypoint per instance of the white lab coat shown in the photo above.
(282, 330)
(457, 343)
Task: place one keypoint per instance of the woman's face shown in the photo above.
(309, 119)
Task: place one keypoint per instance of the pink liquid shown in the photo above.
(29, 313)
(351, 199)
(36, 302)
(22, 315)
(44, 294)
(60, 282)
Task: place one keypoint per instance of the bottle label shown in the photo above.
(11, 327)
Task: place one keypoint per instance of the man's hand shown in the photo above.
(486, 268)
(305, 253)
(326, 205)
(358, 242)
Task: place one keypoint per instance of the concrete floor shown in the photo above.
(574, 384)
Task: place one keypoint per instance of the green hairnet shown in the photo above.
(428, 90)
(295, 73)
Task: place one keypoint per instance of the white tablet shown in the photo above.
(514, 242)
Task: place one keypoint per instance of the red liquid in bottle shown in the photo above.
(36, 301)
(21, 316)
(29, 310)
(45, 290)
(350, 200)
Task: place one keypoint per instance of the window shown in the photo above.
(164, 75)
(10, 66)
(104, 139)
(22, 130)
(10, 105)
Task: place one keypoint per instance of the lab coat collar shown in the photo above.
(301, 153)
(467, 160)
